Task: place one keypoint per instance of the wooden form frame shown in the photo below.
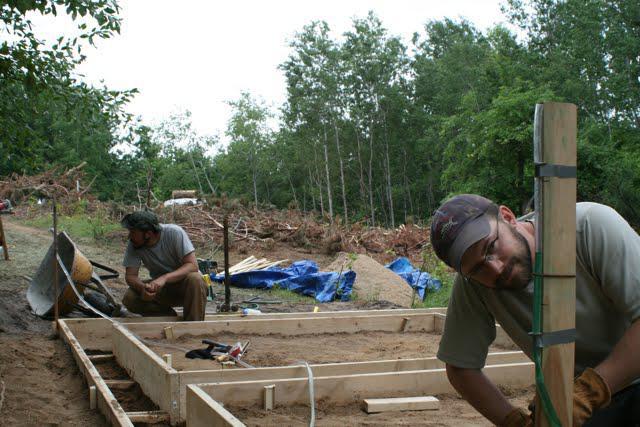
(96, 334)
(205, 402)
(169, 388)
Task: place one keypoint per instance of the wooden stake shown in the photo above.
(92, 397)
(167, 359)
(168, 332)
(558, 200)
(3, 242)
(269, 397)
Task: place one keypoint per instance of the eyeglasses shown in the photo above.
(480, 269)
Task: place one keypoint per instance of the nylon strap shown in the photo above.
(557, 171)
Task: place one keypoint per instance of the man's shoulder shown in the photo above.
(171, 228)
(591, 211)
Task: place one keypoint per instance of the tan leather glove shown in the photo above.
(518, 417)
(590, 392)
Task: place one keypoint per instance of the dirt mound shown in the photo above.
(373, 282)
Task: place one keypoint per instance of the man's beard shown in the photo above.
(522, 259)
(144, 243)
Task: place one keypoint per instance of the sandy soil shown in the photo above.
(281, 350)
(453, 411)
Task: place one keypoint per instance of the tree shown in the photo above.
(250, 135)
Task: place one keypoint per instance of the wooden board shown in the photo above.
(106, 401)
(417, 403)
(559, 255)
(95, 334)
(291, 326)
(349, 388)
(203, 411)
(158, 381)
(328, 369)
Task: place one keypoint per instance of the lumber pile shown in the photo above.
(252, 264)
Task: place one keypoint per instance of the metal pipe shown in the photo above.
(55, 261)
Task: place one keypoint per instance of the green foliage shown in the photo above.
(438, 270)
(367, 132)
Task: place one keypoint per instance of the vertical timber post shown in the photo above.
(557, 217)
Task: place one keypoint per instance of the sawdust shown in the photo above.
(374, 282)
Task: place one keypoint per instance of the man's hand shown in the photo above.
(146, 295)
(518, 417)
(590, 392)
(155, 285)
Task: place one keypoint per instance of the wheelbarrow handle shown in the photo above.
(114, 274)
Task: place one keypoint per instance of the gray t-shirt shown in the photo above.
(607, 298)
(163, 257)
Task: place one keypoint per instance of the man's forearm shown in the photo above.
(135, 283)
(622, 366)
(180, 273)
(480, 392)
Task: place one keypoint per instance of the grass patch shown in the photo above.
(438, 270)
(78, 225)
(285, 295)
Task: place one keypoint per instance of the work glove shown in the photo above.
(590, 392)
(518, 417)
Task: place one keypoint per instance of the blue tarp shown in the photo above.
(302, 277)
(419, 280)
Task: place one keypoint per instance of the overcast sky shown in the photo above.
(197, 55)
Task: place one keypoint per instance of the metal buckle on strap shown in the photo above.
(557, 171)
(547, 339)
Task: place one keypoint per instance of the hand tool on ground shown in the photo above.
(208, 353)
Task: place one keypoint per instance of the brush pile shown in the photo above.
(250, 227)
(64, 185)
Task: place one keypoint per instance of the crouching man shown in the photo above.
(166, 251)
(492, 251)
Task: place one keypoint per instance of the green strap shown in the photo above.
(549, 410)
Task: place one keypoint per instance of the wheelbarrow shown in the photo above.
(76, 274)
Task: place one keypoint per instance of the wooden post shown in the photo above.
(3, 241)
(92, 397)
(269, 397)
(56, 308)
(167, 359)
(558, 221)
(168, 332)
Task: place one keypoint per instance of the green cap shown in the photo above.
(141, 220)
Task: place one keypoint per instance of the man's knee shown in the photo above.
(194, 280)
(131, 299)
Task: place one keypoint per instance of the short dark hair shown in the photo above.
(141, 220)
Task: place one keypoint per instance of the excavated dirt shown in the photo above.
(374, 282)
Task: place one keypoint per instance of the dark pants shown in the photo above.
(190, 293)
(623, 411)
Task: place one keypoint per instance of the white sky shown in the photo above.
(197, 55)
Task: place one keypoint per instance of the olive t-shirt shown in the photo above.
(607, 298)
(163, 257)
